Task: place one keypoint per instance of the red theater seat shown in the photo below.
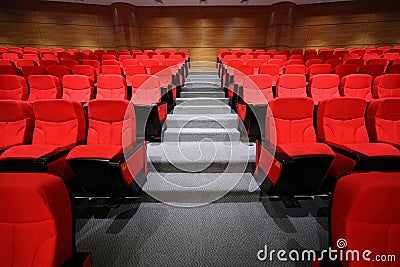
(101, 166)
(10, 70)
(357, 85)
(77, 88)
(85, 70)
(111, 86)
(92, 62)
(32, 70)
(387, 85)
(13, 87)
(111, 69)
(44, 87)
(323, 86)
(291, 85)
(37, 228)
(341, 123)
(383, 121)
(256, 91)
(59, 126)
(152, 99)
(58, 71)
(345, 69)
(16, 122)
(316, 69)
(272, 70)
(295, 69)
(299, 164)
(373, 70)
(358, 216)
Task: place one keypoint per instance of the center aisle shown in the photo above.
(205, 163)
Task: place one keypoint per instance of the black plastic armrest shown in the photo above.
(82, 259)
(279, 154)
(130, 150)
(56, 154)
(347, 152)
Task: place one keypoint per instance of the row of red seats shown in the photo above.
(81, 87)
(15, 53)
(275, 67)
(311, 51)
(92, 68)
(53, 136)
(295, 153)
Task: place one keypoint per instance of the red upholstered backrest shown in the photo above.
(105, 127)
(295, 69)
(13, 87)
(383, 120)
(257, 89)
(85, 70)
(323, 86)
(387, 85)
(134, 69)
(111, 86)
(345, 69)
(240, 73)
(316, 69)
(58, 122)
(77, 88)
(16, 122)
(145, 89)
(357, 85)
(44, 87)
(342, 121)
(111, 69)
(294, 124)
(364, 221)
(291, 85)
(148, 63)
(35, 220)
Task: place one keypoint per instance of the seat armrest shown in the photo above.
(345, 151)
(129, 151)
(56, 154)
(279, 154)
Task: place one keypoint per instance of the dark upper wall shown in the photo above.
(201, 29)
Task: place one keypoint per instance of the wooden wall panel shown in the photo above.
(383, 33)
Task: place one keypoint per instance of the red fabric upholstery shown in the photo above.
(145, 89)
(341, 121)
(345, 69)
(131, 70)
(85, 70)
(257, 89)
(270, 69)
(92, 62)
(306, 149)
(16, 122)
(105, 127)
(323, 86)
(111, 69)
(383, 120)
(58, 71)
(373, 70)
(32, 70)
(32, 151)
(355, 213)
(357, 85)
(44, 87)
(294, 125)
(291, 85)
(13, 87)
(295, 69)
(111, 87)
(35, 220)
(316, 69)
(58, 122)
(77, 88)
(387, 85)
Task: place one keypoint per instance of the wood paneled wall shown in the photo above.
(202, 30)
(53, 24)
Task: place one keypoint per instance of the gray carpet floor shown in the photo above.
(217, 234)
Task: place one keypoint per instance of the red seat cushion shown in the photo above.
(35, 220)
(306, 149)
(375, 149)
(28, 151)
(94, 151)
